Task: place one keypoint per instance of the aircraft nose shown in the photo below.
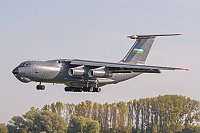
(15, 71)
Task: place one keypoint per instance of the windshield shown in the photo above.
(25, 64)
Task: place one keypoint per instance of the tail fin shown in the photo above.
(140, 49)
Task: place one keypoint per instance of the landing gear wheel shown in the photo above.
(91, 89)
(97, 90)
(43, 87)
(84, 89)
(66, 89)
(40, 87)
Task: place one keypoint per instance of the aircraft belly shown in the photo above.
(80, 82)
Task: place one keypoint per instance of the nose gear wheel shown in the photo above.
(40, 87)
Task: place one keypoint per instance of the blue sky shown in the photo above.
(97, 30)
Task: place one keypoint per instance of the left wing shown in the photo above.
(122, 67)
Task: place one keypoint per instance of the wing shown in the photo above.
(122, 67)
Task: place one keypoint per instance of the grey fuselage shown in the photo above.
(57, 71)
(88, 76)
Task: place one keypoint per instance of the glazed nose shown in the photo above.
(15, 71)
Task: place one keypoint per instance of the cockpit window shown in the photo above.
(25, 64)
(22, 64)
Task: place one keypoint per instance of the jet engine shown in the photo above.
(78, 71)
(101, 72)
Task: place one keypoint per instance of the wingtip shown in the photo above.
(186, 69)
(178, 34)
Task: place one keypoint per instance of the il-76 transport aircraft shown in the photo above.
(89, 76)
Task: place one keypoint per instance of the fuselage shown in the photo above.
(57, 71)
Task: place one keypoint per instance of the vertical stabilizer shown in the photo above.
(140, 49)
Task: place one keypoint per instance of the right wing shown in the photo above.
(122, 67)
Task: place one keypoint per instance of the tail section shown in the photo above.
(140, 49)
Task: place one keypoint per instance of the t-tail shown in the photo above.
(140, 49)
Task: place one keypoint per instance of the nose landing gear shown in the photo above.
(40, 87)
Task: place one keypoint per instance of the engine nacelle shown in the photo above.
(99, 73)
(78, 71)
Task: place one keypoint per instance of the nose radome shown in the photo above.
(15, 71)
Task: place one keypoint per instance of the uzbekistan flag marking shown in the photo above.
(138, 50)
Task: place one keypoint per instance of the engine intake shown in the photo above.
(78, 71)
(99, 73)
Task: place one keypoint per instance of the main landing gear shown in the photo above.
(84, 89)
(40, 87)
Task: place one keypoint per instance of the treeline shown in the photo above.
(162, 114)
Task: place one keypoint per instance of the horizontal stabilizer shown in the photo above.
(150, 36)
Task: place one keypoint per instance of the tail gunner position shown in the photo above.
(88, 76)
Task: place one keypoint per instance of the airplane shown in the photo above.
(88, 76)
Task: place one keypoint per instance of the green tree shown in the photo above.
(191, 129)
(92, 126)
(3, 128)
(88, 109)
(105, 117)
(33, 120)
(53, 108)
(77, 125)
(130, 117)
(95, 111)
(136, 105)
(122, 116)
(16, 124)
(80, 124)
(53, 123)
(70, 112)
(46, 107)
(100, 116)
(168, 113)
(113, 117)
(175, 127)
(155, 129)
(80, 109)
(59, 107)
